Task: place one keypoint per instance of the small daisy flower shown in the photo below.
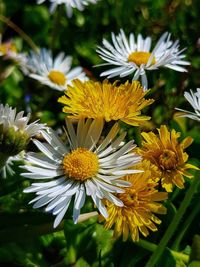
(194, 100)
(7, 169)
(69, 4)
(167, 153)
(110, 101)
(8, 50)
(133, 56)
(141, 200)
(55, 73)
(10, 118)
(15, 133)
(85, 169)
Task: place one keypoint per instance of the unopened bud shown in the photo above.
(12, 142)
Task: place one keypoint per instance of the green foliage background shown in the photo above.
(26, 236)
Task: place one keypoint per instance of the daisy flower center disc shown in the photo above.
(5, 48)
(57, 77)
(140, 58)
(80, 164)
(168, 160)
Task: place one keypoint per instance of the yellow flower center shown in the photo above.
(168, 160)
(57, 77)
(140, 58)
(80, 164)
(129, 198)
(7, 47)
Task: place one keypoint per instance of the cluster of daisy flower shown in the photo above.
(126, 183)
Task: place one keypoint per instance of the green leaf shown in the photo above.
(166, 260)
(89, 239)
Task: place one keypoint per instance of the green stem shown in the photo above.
(173, 225)
(152, 247)
(118, 12)
(71, 257)
(146, 245)
(55, 29)
(185, 227)
(20, 32)
(175, 194)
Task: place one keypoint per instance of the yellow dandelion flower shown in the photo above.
(105, 100)
(141, 201)
(147, 165)
(168, 155)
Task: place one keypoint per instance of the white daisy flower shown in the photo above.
(84, 169)
(55, 73)
(194, 100)
(69, 4)
(10, 118)
(8, 50)
(134, 56)
(15, 134)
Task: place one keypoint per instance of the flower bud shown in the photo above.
(15, 134)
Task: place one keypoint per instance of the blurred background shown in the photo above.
(88, 244)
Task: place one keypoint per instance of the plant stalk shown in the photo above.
(20, 32)
(175, 222)
(152, 247)
(185, 227)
